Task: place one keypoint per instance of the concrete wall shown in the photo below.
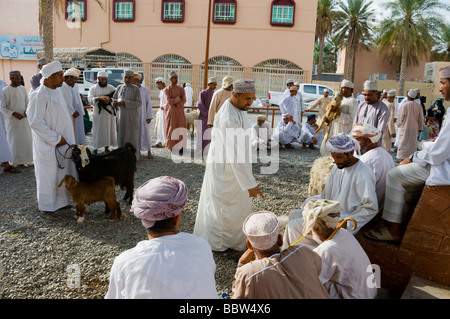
(15, 20)
(250, 41)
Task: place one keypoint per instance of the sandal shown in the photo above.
(381, 234)
(11, 169)
(49, 215)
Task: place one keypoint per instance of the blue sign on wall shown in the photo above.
(20, 47)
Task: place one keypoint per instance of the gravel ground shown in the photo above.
(40, 257)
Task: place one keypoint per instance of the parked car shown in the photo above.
(310, 93)
(115, 78)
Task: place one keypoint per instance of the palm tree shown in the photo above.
(327, 56)
(441, 51)
(324, 25)
(408, 34)
(46, 10)
(354, 30)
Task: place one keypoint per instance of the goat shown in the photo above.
(88, 193)
(119, 164)
(320, 171)
(333, 112)
(191, 117)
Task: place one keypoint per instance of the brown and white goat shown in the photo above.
(103, 190)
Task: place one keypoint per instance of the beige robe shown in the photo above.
(410, 120)
(219, 97)
(292, 274)
(323, 104)
(390, 126)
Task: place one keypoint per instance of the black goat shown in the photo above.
(119, 164)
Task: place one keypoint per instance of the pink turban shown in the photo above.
(158, 199)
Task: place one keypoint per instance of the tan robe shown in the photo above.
(322, 102)
(174, 117)
(390, 126)
(292, 274)
(410, 120)
(219, 97)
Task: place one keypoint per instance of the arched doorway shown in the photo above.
(272, 75)
(220, 67)
(163, 65)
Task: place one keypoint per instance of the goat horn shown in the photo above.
(70, 146)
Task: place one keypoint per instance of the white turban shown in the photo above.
(370, 86)
(412, 93)
(347, 84)
(261, 229)
(366, 130)
(342, 143)
(285, 116)
(102, 74)
(444, 73)
(290, 81)
(226, 82)
(160, 80)
(294, 87)
(212, 80)
(244, 86)
(320, 209)
(129, 73)
(391, 93)
(172, 74)
(71, 72)
(51, 68)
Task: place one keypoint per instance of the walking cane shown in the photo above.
(335, 231)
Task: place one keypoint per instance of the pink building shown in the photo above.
(269, 41)
(368, 66)
(19, 38)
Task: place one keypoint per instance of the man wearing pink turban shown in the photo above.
(169, 265)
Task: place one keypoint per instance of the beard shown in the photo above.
(101, 84)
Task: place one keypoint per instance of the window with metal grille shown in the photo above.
(224, 11)
(124, 10)
(283, 12)
(173, 11)
(74, 12)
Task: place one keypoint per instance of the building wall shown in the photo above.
(14, 20)
(368, 62)
(252, 39)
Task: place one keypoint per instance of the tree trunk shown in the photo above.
(403, 71)
(350, 62)
(320, 64)
(47, 30)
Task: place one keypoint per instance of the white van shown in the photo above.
(310, 93)
(115, 78)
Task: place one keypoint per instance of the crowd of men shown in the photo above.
(315, 256)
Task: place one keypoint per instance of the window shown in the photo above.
(72, 12)
(172, 11)
(283, 12)
(310, 89)
(224, 11)
(124, 10)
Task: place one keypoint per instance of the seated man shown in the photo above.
(287, 131)
(289, 274)
(351, 183)
(404, 183)
(374, 156)
(260, 134)
(345, 265)
(169, 264)
(307, 135)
